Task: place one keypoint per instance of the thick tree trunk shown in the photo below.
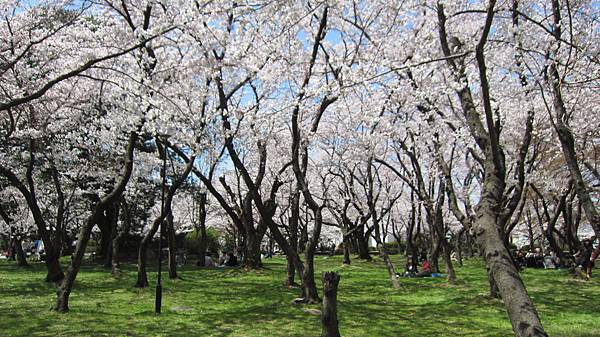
(252, 256)
(362, 244)
(309, 287)
(520, 308)
(493, 287)
(55, 272)
(329, 319)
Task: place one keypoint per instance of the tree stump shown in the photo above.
(329, 310)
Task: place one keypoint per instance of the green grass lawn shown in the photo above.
(219, 302)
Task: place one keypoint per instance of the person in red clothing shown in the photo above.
(425, 270)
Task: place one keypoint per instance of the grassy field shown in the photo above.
(220, 302)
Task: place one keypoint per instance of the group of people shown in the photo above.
(227, 259)
(582, 261)
(537, 259)
(412, 270)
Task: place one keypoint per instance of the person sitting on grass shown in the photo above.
(583, 259)
(230, 260)
(425, 270)
(411, 268)
(208, 261)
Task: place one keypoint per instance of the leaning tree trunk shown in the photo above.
(520, 308)
(329, 319)
(389, 265)
(62, 302)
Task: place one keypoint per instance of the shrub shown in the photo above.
(192, 241)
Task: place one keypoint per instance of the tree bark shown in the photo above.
(329, 319)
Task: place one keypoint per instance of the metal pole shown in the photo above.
(158, 303)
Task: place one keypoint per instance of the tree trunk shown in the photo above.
(389, 266)
(55, 273)
(520, 308)
(309, 287)
(565, 135)
(308, 277)
(252, 248)
(493, 287)
(18, 252)
(62, 301)
(106, 236)
(459, 247)
(293, 225)
(362, 244)
(434, 257)
(118, 237)
(170, 231)
(142, 275)
(329, 319)
(346, 247)
(112, 217)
